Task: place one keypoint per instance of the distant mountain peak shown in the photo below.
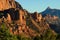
(51, 11)
(48, 7)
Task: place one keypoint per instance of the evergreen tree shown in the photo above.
(5, 34)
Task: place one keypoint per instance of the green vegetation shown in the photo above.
(23, 38)
(6, 35)
(49, 35)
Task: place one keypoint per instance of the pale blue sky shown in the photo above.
(39, 5)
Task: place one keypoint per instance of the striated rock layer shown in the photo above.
(6, 4)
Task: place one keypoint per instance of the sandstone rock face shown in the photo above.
(6, 4)
(13, 12)
(37, 17)
(11, 8)
(22, 17)
(9, 18)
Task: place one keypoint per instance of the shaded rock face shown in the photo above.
(34, 15)
(37, 17)
(18, 5)
(11, 12)
(14, 15)
(12, 8)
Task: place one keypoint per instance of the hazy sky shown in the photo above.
(39, 5)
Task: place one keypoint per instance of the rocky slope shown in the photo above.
(20, 21)
(52, 17)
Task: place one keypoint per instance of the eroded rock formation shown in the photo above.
(36, 16)
(6, 4)
(15, 18)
